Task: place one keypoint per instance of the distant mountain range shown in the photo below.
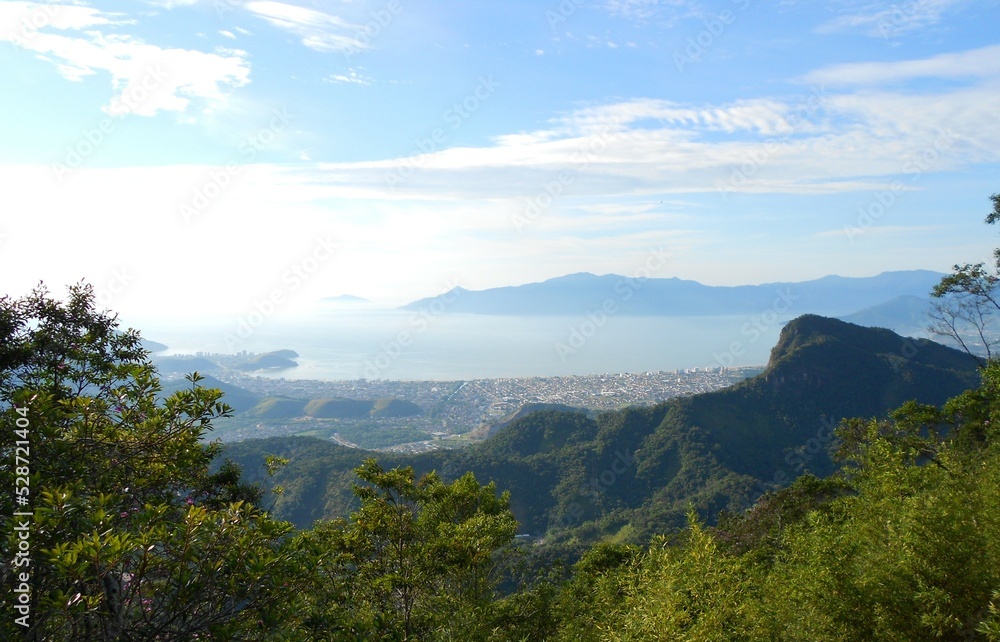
(583, 293)
(905, 314)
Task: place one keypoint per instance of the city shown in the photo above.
(457, 411)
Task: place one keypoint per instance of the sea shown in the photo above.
(402, 345)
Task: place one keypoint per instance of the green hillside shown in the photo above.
(339, 408)
(342, 408)
(636, 471)
(394, 408)
(279, 408)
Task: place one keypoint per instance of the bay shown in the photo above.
(395, 344)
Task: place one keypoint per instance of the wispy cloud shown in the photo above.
(172, 4)
(849, 139)
(976, 63)
(319, 31)
(82, 41)
(883, 230)
(670, 10)
(882, 20)
(352, 77)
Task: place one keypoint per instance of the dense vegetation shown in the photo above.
(904, 546)
(129, 534)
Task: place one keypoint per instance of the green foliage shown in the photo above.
(415, 561)
(904, 547)
(760, 527)
(132, 537)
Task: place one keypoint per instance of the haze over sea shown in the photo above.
(395, 344)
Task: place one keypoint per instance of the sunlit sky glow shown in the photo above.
(193, 156)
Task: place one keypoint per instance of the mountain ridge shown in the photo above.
(582, 292)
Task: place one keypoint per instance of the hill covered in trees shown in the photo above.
(632, 473)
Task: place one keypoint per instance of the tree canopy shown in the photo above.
(131, 535)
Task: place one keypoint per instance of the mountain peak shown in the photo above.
(838, 341)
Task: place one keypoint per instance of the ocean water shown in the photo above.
(394, 344)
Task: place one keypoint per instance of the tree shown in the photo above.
(130, 535)
(415, 560)
(968, 300)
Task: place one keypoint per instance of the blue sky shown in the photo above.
(196, 156)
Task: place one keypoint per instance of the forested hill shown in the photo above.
(634, 472)
(821, 371)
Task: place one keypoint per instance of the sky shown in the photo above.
(191, 157)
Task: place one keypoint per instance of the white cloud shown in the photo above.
(227, 34)
(319, 31)
(21, 21)
(881, 230)
(669, 10)
(976, 63)
(172, 4)
(824, 142)
(145, 78)
(891, 21)
(352, 77)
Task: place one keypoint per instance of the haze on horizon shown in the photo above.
(189, 157)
